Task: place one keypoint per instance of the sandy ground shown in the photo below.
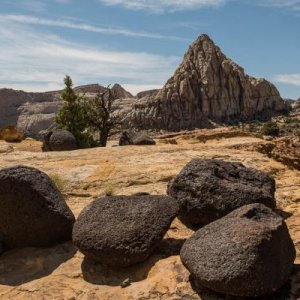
(61, 272)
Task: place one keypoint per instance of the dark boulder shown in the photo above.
(59, 140)
(143, 140)
(210, 189)
(248, 253)
(123, 230)
(125, 139)
(33, 212)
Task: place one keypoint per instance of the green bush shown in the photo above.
(271, 128)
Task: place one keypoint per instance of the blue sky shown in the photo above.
(139, 43)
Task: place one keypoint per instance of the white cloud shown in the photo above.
(160, 6)
(292, 79)
(163, 5)
(288, 4)
(25, 19)
(34, 60)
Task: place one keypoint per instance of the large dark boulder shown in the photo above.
(123, 230)
(59, 140)
(248, 253)
(33, 212)
(210, 189)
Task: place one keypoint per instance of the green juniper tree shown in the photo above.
(72, 114)
(86, 117)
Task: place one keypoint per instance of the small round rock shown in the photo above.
(248, 253)
(209, 189)
(33, 212)
(122, 231)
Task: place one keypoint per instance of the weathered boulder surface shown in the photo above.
(123, 230)
(210, 189)
(59, 140)
(248, 253)
(33, 212)
(206, 86)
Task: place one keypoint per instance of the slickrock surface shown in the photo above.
(61, 272)
(206, 86)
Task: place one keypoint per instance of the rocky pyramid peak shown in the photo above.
(209, 86)
(119, 92)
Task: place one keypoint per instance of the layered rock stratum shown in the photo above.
(206, 86)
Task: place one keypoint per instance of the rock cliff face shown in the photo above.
(36, 117)
(35, 112)
(207, 86)
(12, 100)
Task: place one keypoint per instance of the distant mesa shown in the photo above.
(149, 93)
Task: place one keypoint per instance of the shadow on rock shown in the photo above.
(96, 273)
(285, 215)
(23, 265)
(290, 291)
(169, 247)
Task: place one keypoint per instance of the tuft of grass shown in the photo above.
(110, 190)
(60, 182)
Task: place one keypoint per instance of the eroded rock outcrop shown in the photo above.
(37, 117)
(248, 253)
(206, 86)
(11, 100)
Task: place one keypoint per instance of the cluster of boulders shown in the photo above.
(241, 246)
